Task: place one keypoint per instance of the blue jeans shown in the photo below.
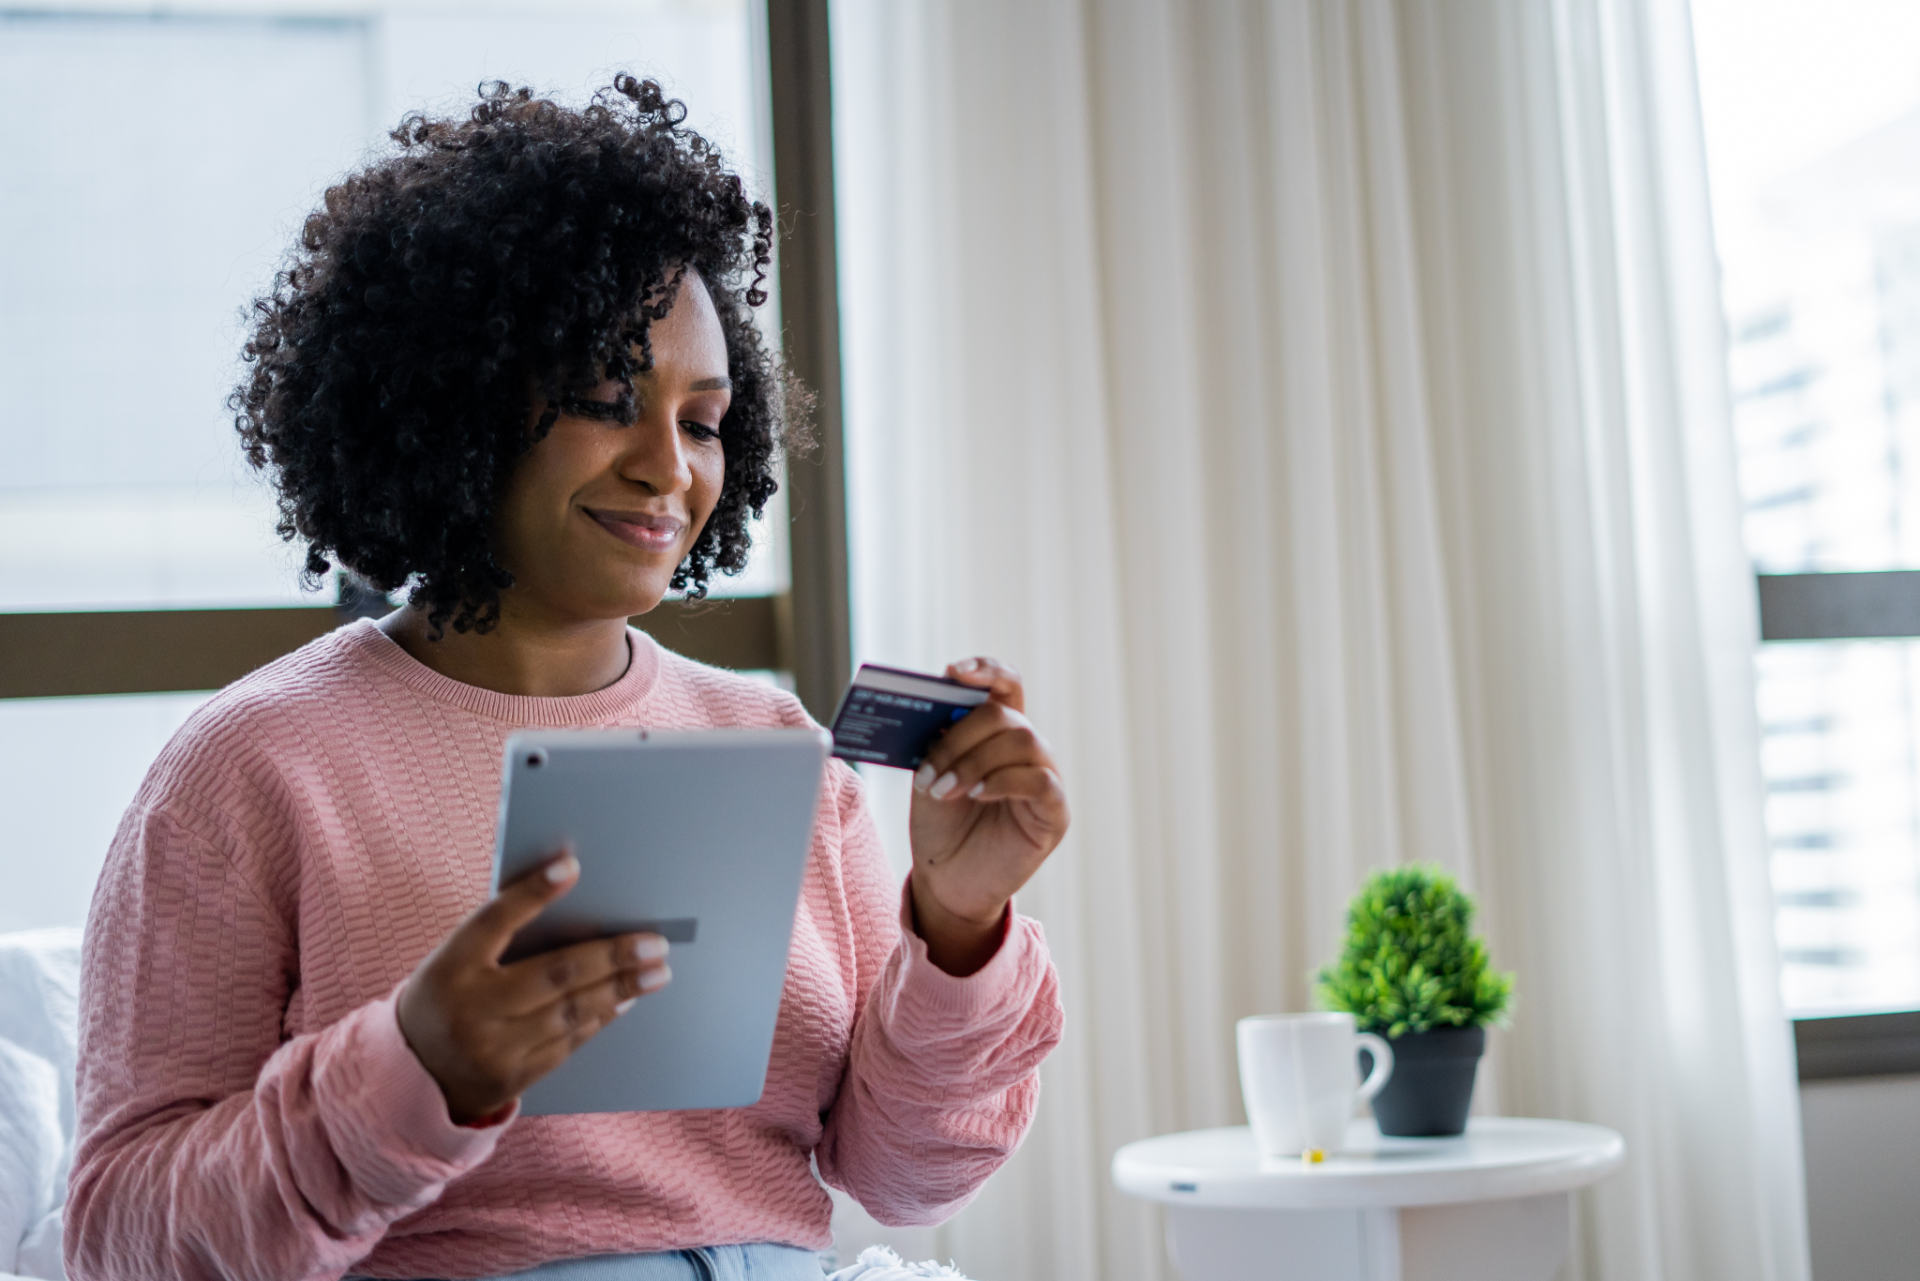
(759, 1262)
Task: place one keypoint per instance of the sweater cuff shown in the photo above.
(925, 984)
(387, 1113)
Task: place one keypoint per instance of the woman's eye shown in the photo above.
(699, 430)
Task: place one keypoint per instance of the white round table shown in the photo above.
(1493, 1204)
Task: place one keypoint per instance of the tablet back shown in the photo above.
(700, 835)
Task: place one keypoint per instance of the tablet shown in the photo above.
(698, 835)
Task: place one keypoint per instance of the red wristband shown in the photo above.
(490, 1120)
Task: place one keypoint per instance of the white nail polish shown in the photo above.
(922, 777)
(626, 1005)
(946, 783)
(649, 947)
(970, 665)
(654, 980)
(563, 869)
(973, 793)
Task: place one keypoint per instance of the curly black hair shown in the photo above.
(487, 265)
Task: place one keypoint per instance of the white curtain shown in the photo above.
(1322, 402)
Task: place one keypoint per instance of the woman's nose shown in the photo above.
(657, 456)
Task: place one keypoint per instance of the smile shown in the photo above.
(648, 532)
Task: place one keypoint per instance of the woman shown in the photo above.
(514, 366)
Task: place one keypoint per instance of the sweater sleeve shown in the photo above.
(210, 1144)
(942, 1074)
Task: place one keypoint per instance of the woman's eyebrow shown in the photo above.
(711, 384)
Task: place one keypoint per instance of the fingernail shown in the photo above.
(973, 793)
(921, 777)
(562, 869)
(946, 784)
(626, 1005)
(649, 947)
(969, 664)
(653, 980)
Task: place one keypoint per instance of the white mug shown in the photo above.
(1298, 1074)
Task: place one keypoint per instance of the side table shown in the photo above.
(1493, 1204)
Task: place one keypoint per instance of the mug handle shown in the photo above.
(1382, 1064)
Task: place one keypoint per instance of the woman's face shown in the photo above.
(600, 513)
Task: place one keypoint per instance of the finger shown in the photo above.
(540, 1041)
(967, 733)
(1014, 746)
(482, 937)
(1036, 784)
(575, 1016)
(536, 981)
(540, 1059)
(1002, 683)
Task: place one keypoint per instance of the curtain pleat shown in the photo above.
(1322, 402)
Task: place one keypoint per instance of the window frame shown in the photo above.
(1847, 605)
(819, 613)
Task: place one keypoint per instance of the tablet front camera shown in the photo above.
(536, 758)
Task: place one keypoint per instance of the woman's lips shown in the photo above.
(644, 530)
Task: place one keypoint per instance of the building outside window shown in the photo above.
(1812, 113)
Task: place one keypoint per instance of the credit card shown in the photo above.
(891, 717)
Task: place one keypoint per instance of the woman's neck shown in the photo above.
(519, 656)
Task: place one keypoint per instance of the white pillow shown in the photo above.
(879, 1263)
(39, 1019)
(32, 1152)
(40, 1003)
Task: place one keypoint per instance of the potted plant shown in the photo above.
(1412, 971)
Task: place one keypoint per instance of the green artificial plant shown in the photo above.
(1411, 962)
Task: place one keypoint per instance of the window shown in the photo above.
(138, 567)
(142, 235)
(1812, 114)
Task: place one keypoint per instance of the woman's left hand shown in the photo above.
(988, 808)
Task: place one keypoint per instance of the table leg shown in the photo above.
(1284, 1245)
(1526, 1239)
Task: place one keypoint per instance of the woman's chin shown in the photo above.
(601, 593)
(639, 598)
(573, 610)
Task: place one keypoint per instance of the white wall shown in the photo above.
(1863, 1177)
(68, 769)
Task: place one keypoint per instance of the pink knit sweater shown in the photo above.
(249, 1109)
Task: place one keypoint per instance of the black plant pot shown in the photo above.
(1432, 1082)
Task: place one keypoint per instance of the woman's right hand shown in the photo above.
(486, 1031)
